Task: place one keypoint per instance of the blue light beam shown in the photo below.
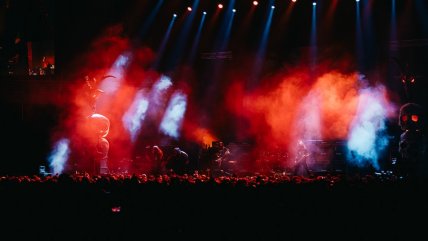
(183, 37)
(393, 30)
(150, 19)
(261, 52)
(197, 39)
(313, 43)
(359, 36)
(226, 27)
(165, 39)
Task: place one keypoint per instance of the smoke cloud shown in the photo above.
(368, 137)
(59, 156)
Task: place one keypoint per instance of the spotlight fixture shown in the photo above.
(273, 7)
(189, 9)
(220, 5)
(294, 1)
(205, 13)
(234, 10)
(255, 3)
(314, 3)
(174, 15)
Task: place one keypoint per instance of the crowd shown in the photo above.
(199, 206)
(173, 179)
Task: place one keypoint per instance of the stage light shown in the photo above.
(205, 13)
(314, 3)
(273, 7)
(234, 10)
(220, 5)
(174, 15)
(255, 3)
(189, 9)
(357, 0)
(294, 1)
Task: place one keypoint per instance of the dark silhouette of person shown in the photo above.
(17, 58)
(222, 156)
(157, 160)
(178, 161)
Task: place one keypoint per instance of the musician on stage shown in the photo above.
(178, 161)
(157, 160)
(302, 154)
(222, 155)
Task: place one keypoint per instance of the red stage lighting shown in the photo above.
(294, 1)
(189, 9)
(220, 5)
(255, 3)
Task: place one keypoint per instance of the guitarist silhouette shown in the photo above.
(222, 155)
(301, 158)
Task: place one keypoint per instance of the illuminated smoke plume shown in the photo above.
(334, 106)
(367, 138)
(310, 118)
(133, 118)
(204, 136)
(111, 85)
(174, 114)
(196, 126)
(163, 84)
(285, 106)
(298, 108)
(326, 110)
(122, 101)
(199, 134)
(59, 156)
(157, 100)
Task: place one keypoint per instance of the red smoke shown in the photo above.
(198, 134)
(289, 105)
(98, 60)
(296, 107)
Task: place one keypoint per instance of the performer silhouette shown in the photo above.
(301, 160)
(178, 161)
